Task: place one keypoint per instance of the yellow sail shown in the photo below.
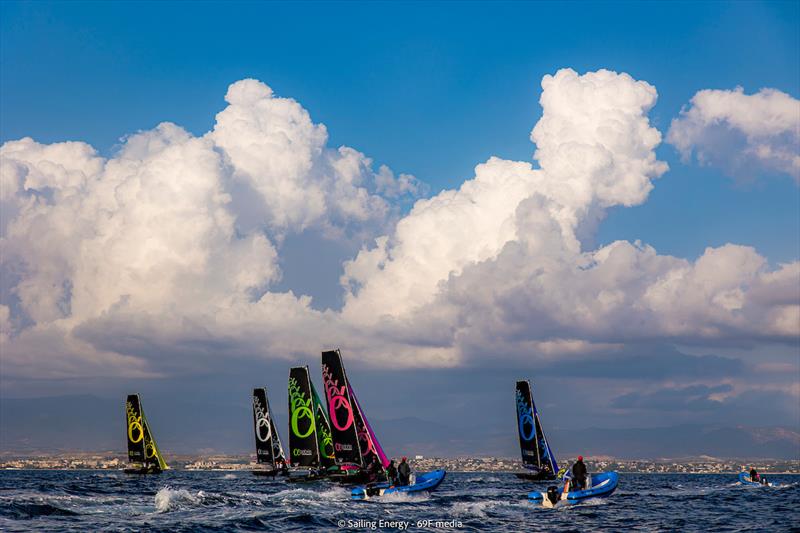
(151, 451)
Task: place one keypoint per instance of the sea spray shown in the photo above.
(168, 499)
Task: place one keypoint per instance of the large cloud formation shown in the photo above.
(741, 133)
(165, 256)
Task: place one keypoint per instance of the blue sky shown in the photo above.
(430, 90)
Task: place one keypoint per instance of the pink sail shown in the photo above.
(373, 440)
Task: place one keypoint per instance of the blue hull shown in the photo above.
(603, 485)
(424, 483)
(744, 479)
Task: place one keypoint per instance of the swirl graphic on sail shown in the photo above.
(525, 415)
(301, 411)
(338, 402)
(345, 424)
(262, 425)
(304, 446)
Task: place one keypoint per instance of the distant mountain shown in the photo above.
(89, 423)
(681, 441)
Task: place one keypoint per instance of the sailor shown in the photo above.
(579, 474)
(391, 471)
(375, 470)
(754, 475)
(404, 472)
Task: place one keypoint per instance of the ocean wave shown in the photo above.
(403, 497)
(477, 509)
(27, 511)
(484, 479)
(169, 499)
(335, 493)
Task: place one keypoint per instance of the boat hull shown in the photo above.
(142, 470)
(305, 476)
(426, 482)
(268, 473)
(744, 479)
(603, 485)
(535, 476)
(357, 477)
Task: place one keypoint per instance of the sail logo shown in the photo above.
(297, 451)
(525, 415)
(343, 447)
(301, 410)
(263, 427)
(337, 401)
(135, 429)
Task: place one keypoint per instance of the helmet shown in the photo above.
(580, 458)
(405, 458)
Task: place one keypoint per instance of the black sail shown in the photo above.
(135, 429)
(526, 426)
(142, 447)
(303, 446)
(341, 410)
(263, 428)
(536, 452)
(277, 447)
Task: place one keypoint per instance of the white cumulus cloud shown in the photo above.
(165, 256)
(744, 134)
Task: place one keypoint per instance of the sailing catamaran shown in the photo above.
(355, 443)
(537, 456)
(310, 441)
(143, 453)
(269, 450)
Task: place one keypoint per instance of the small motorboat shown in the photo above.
(598, 486)
(744, 479)
(423, 483)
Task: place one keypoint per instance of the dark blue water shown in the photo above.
(217, 501)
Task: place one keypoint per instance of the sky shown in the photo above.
(600, 197)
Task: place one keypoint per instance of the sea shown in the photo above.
(197, 501)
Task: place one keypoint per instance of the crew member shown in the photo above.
(579, 474)
(375, 470)
(754, 475)
(391, 471)
(282, 467)
(404, 472)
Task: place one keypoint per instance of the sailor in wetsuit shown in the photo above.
(579, 474)
(391, 472)
(754, 475)
(404, 473)
(375, 470)
(283, 469)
